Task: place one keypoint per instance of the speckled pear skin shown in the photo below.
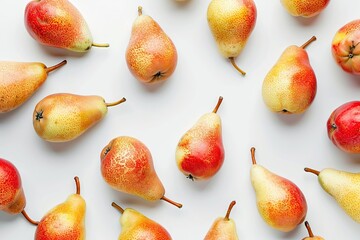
(12, 198)
(58, 23)
(135, 225)
(231, 23)
(290, 86)
(345, 47)
(304, 8)
(63, 117)
(151, 55)
(127, 166)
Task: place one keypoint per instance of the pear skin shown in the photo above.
(311, 234)
(290, 86)
(151, 56)
(280, 202)
(135, 225)
(20, 80)
(200, 151)
(223, 227)
(58, 23)
(304, 8)
(63, 117)
(64, 221)
(344, 187)
(127, 166)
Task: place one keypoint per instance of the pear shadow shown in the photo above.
(306, 21)
(183, 3)
(292, 234)
(153, 87)
(7, 116)
(5, 218)
(354, 79)
(290, 119)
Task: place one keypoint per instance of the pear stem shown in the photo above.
(312, 171)
(52, 68)
(179, 205)
(116, 103)
(140, 10)
(227, 216)
(77, 182)
(121, 210)
(218, 104)
(307, 225)
(232, 60)
(313, 38)
(26, 216)
(252, 150)
(100, 45)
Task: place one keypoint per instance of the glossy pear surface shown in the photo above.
(290, 86)
(151, 56)
(304, 8)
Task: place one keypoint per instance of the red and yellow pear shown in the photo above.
(290, 86)
(304, 8)
(200, 151)
(311, 234)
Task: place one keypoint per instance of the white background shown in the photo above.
(160, 114)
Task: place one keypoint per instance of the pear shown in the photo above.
(280, 202)
(135, 225)
(127, 166)
(200, 151)
(12, 197)
(304, 8)
(66, 220)
(223, 228)
(151, 56)
(231, 23)
(20, 80)
(63, 117)
(290, 86)
(311, 235)
(343, 186)
(58, 23)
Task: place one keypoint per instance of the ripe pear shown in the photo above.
(135, 225)
(280, 202)
(12, 197)
(63, 117)
(58, 23)
(231, 23)
(66, 220)
(151, 56)
(290, 86)
(127, 166)
(311, 235)
(20, 80)
(200, 151)
(344, 187)
(304, 8)
(223, 227)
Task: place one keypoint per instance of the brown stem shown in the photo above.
(140, 10)
(100, 45)
(121, 210)
(52, 68)
(29, 219)
(312, 171)
(77, 182)
(232, 60)
(227, 216)
(313, 38)
(252, 150)
(218, 104)
(116, 103)
(179, 205)
(307, 225)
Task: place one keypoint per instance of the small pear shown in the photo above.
(58, 23)
(231, 23)
(311, 235)
(305, 8)
(66, 220)
(290, 86)
(200, 151)
(135, 225)
(280, 202)
(151, 55)
(20, 80)
(63, 117)
(343, 186)
(223, 228)
(127, 166)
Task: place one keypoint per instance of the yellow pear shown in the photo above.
(311, 234)
(63, 117)
(304, 8)
(20, 80)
